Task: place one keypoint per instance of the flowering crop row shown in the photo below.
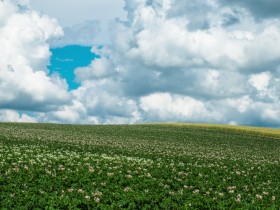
(48, 166)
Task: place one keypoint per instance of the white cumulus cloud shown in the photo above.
(174, 108)
(24, 55)
(202, 61)
(170, 60)
(13, 116)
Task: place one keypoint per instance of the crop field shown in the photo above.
(153, 166)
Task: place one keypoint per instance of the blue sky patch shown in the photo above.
(66, 59)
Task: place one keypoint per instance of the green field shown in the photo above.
(153, 166)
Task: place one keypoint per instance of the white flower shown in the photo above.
(97, 193)
(127, 189)
(81, 191)
(97, 199)
(231, 191)
(238, 200)
(259, 197)
(196, 191)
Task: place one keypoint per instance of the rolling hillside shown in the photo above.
(152, 166)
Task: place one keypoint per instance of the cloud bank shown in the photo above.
(209, 61)
(91, 17)
(24, 55)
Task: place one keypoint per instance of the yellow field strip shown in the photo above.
(273, 132)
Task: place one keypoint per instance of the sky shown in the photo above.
(137, 61)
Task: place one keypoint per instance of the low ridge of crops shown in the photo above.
(153, 166)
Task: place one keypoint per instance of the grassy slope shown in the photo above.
(180, 158)
(257, 130)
